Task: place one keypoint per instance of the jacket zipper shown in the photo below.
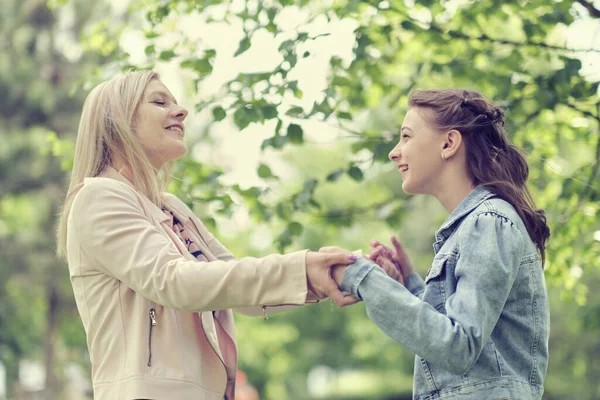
(153, 323)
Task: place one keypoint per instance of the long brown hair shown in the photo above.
(492, 161)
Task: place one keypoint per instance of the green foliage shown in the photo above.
(341, 194)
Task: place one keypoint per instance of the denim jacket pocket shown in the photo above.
(436, 269)
(434, 293)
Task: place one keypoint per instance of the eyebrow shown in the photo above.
(405, 127)
(164, 94)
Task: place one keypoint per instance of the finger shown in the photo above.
(344, 257)
(342, 299)
(384, 265)
(389, 268)
(377, 252)
(330, 249)
(334, 293)
(348, 300)
(397, 245)
(375, 243)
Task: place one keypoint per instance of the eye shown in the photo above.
(159, 102)
(405, 136)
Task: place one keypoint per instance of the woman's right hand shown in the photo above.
(387, 258)
(318, 274)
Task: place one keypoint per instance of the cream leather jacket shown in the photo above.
(158, 321)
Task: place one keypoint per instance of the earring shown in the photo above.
(443, 156)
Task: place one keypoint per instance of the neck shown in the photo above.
(454, 186)
(452, 196)
(123, 169)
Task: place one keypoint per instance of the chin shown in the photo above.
(180, 152)
(173, 153)
(406, 187)
(411, 189)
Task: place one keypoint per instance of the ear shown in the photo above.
(451, 142)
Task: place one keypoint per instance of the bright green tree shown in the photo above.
(512, 51)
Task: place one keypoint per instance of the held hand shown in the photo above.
(398, 257)
(319, 279)
(390, 268)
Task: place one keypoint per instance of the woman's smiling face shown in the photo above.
(159, 125)
(418, 153)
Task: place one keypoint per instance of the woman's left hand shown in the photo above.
(337, 271)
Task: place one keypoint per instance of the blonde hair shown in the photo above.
(107, 133)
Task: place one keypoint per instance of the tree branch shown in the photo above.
(584, 112)
(594, 12)
(486, 38)
(353, 211)
(593, 174)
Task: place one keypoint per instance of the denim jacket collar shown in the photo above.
(468, 204)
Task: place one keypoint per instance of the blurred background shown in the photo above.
(294, 105)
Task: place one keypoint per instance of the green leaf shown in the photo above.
(244, 45)
(275, 142)
(284, 240)
(283, 210)
(408, 25)
(334, 176)
(166, 55)
(295, 228)
(286, 45)
(279, 141)
(295, 111)
(219, 113)
(355, 173)
(295, 134)
(344, 115)
(243, 116)
(264, 171)
(269, 112)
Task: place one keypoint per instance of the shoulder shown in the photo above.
(497, 208)
(496, 220)
(100, 193)
(99, 185)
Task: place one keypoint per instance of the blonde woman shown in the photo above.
(153, 286)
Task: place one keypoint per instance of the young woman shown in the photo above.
(479, 323)
(153, 287)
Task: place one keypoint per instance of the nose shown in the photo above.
(180, 113)
(395, 153)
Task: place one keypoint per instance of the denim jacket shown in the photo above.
(479, 323)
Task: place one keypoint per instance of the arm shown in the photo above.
(112, 229)
(415, 284)
(492, 249)
(220, 252)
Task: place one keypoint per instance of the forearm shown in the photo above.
(408, 320)
(415, 284)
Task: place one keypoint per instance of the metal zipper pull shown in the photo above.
(152, 324)
(153, 317)
(265, 316)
